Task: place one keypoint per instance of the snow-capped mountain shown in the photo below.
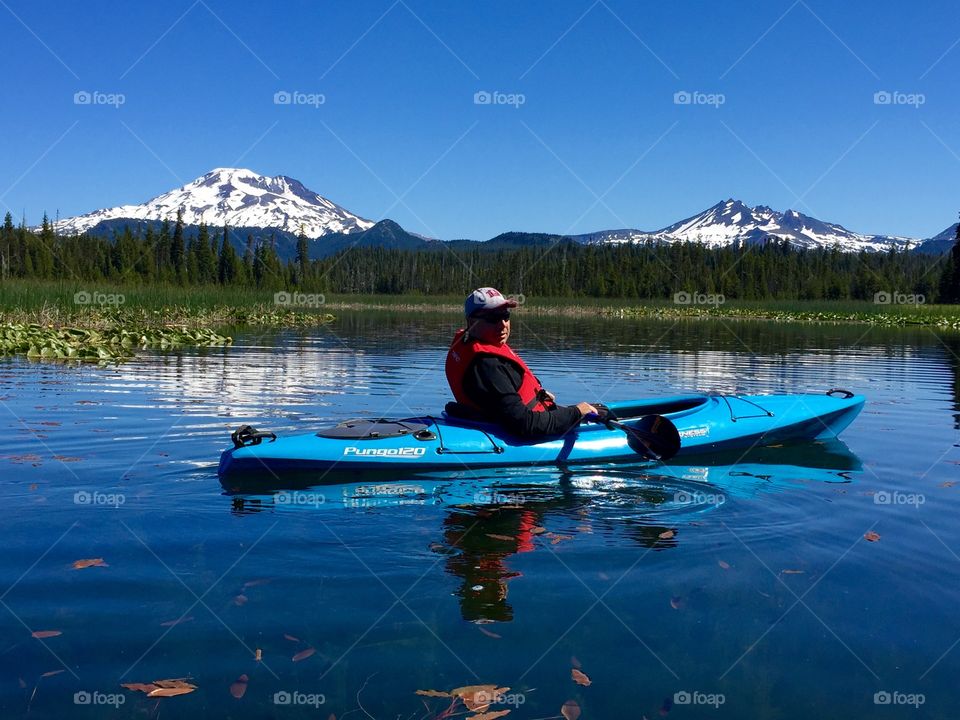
(733, 221)
(239, 198)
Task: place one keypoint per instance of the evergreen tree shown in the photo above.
(206, 265)
(302, 257)
(229, 267)
(950, 279)
(177, 248)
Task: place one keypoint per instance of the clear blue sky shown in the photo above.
(798, 127)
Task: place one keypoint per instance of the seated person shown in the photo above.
(488, 378)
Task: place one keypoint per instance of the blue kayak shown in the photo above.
(706, 424)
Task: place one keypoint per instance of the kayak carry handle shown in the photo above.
(846, 393)
(249, 435)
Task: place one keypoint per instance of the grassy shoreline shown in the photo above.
(57, 305)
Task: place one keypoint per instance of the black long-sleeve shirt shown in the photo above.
(492, 383)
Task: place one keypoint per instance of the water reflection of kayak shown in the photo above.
(696, 484)
(706, 423)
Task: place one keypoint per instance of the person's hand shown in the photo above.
(553, 398)
(586, 409)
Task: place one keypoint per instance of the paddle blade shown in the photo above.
(653, 436)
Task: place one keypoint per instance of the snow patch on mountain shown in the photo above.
(732, 221)
(239, 198)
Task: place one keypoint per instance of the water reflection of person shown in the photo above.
(479, 558)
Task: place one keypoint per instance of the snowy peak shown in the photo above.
(732, 221)
(237, 197)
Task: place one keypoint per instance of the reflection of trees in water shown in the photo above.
(952, 345)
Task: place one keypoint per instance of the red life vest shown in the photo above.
(461, 354)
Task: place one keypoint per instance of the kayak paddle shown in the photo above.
(654, 436)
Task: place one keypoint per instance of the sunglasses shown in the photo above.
(495, 317)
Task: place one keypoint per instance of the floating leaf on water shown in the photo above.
(580, 678)
(434, 693)
(555, 539)
(139, 687)
(33, 486)
(240, 600)
(88, 563)
(508, 538)
(67, 458)
(723, 564)
(478, 697)
(667, 534)
(258, 656)
(43, 634)
(537, 530)
(570, 710)
(171, 691)
(871, 536)
(303, 654)
(239, 688)
(948, 483)
(492, 715)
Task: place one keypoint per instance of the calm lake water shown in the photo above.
(715, 591)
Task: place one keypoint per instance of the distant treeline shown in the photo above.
(771, 270)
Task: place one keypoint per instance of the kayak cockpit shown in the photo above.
(677, 406)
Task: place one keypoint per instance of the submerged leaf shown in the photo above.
(51, 673)
(171, 623)
(488, 633)
(42, 634)
(304, 654)
(434, 693)
(570, 710)
(508, 538)
(291, 638)
(580, 677)
(723, 564)
(89, 562)
(239, 688)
